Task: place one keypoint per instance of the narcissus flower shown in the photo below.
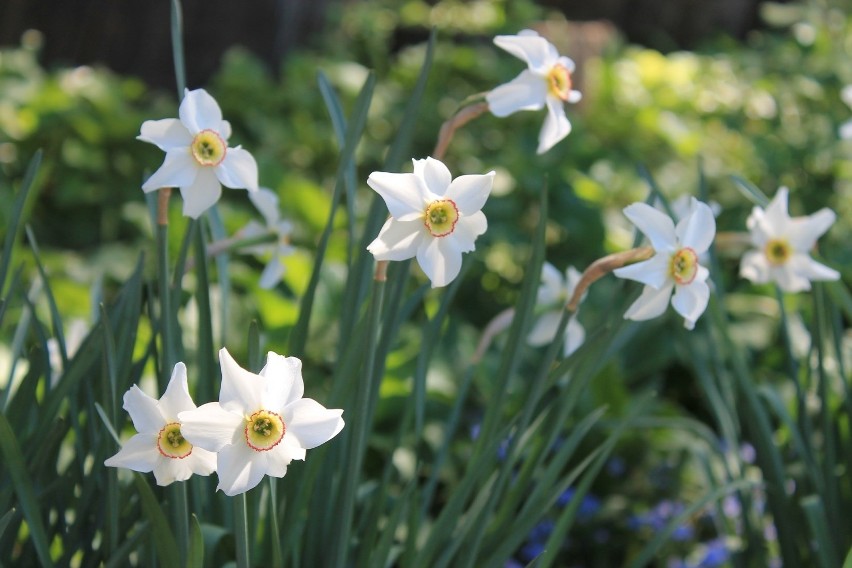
(266, 202)
(554, 293)
(675, 265)
(433, 217)
(160, 445)
(782, 244)
(545, 82)
(261, 422)
(198, 159)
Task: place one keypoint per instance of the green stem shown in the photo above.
(241, 531)
(177, 47)
(180, 518)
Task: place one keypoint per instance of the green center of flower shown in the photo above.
(559, 82)
(208, 148)
(684, 266)
(778, 251)
(264, 430)
(171, 443)
(441, 217)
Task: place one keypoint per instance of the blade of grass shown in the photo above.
(163, 536)
(16, 215)
(815, 512)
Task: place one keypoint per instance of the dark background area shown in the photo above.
(131, 38)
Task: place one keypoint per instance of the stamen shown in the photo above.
(559, 79)
(171, 443)
(778, 251)
(208, 148)
(441, 217)
(684, 266)
(264, 430)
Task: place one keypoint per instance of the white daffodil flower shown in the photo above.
(433, 217)
(159, 445)
(782, 244)
(266, 202)
(554, 292)
(675, 264)
(198, 159)
(261, 422)
(545, 82)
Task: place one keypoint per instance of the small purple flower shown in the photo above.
(715, 555)
(531, 551)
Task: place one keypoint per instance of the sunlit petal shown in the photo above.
(657, 226)
(467, 230)
(284, 384)
(440, 260)
(691, 301)
(242, 391)
(202, 194)
(650, 304)
(311, 423)
(528, 46)
(470, 192)
(398, 240)
(698, 228)
(167, 134)
(556, 125)
(240, 468)
(402, 193)
(139, 453)
(211, 427)
(238, 170)
(179, 169)
(544, 329)
(653, 272)
(200, 111)
(527, 91)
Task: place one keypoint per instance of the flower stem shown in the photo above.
(241, 531)
(180, 517)
(448, 129)
(603, 266)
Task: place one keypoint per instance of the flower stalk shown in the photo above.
(603, 266)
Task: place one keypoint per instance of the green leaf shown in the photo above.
(195, 558)
(163, 535)
(15, 217)
(4, 520)
(13, 460)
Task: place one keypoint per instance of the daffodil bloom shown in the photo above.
(266, 202)
(554, 292)
(782, 244)
(675, 265)
(160, 445)
(433, 217)
(261, 422)
(546, 82)
(198, 159)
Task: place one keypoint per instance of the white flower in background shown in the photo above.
(159, 445)
(261, 422)
(782, 244)
(198, 159)
(266, 202)
(433, 217)
(675, 265)
(554, 292)
(78, 329)
(546, 82)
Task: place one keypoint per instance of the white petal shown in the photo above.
(697, 229)
(284, 384)
(575, 335)
(199, 462)
(240, 468)
(277, 459)
(139, 453)
(225, 130)
(556, 125)
(813, 270)
(266, 202)
(435, 175)
(690, 301)
(179, 169)
(650, 304)
(402, 193)
(470, 192)
(199, 111)
(653, 272)
(311, 423)
(238, 170)
(202, 194)
(803, 232)
(527, 91)
(755, 267)
(440, 260)
(788, 278)
(566, 62)
(657, 226)
(544, 329)
(398, 240)
(538, 53)
(272, 273)
(759, 228)
(143, 410)
(242, 391)
(776, 212)
(176, 399)
(167, 134)
(467, 230)
(572, 278)
(211, 427)
(552, 286)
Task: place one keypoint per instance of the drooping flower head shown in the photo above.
(266, 202)
(554, 293)
(782, 244)
(261, 422)
(545, 82)
(675, 265)
(198, 159)
(160, 445)
(433, 217)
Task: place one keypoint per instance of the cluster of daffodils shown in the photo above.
(260, 424)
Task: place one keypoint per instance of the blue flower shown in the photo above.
(715, 555)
